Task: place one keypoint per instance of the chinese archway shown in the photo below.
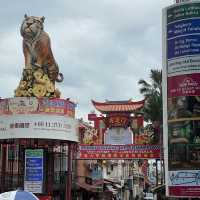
(120, 133)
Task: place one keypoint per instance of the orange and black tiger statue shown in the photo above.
(41, 70)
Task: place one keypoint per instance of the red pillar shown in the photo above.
(69, 172)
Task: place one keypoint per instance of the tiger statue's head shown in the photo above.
(31, 27)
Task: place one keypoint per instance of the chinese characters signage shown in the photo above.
(119, 152)
(33, 179)
(118, 121)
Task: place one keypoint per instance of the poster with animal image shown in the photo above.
(181, 99)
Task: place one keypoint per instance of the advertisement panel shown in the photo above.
(33, 105)
(38, 126)
(181, 98)
(119, 152)
(33, 179)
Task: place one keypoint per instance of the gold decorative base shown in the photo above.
(35, 82)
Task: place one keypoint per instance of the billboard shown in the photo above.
(181, 98)
(119, 152)
(33, 179)
(31, 117)
(33, 105)
(38, 126)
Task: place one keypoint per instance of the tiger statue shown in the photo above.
(37, 48)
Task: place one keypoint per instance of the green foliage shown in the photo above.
(153, 93)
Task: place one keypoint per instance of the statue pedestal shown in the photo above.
(36, 82)
(38, 137)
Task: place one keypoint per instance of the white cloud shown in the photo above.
(102, 47)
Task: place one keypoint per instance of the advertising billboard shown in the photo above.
(30, 117)
(33, 105)
(33, 179)
(38, 126)
(181, 98)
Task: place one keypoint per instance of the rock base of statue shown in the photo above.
(35, 82)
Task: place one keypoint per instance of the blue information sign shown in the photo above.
(33, 170)
(183, 38)
(184, 27)
(34, 162)
(184, 45)
(34, 174)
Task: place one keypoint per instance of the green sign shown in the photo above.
(34, 152)
(184, 11)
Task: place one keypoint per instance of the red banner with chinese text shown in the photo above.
(119, 152)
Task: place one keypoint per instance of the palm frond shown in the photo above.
(153, 94)
(143, 83)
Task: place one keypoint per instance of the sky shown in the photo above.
(102, 47)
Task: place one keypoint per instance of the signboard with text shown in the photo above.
(119, 151)
(38, 126)
(118, 136)
(33, 179)
(33, 105)
(181, 98)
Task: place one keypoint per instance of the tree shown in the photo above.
(153, 109)
(153, 93)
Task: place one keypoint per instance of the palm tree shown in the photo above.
(153, 111)
(153, 93)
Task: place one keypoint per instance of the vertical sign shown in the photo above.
(181, 97)
(33, 179)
